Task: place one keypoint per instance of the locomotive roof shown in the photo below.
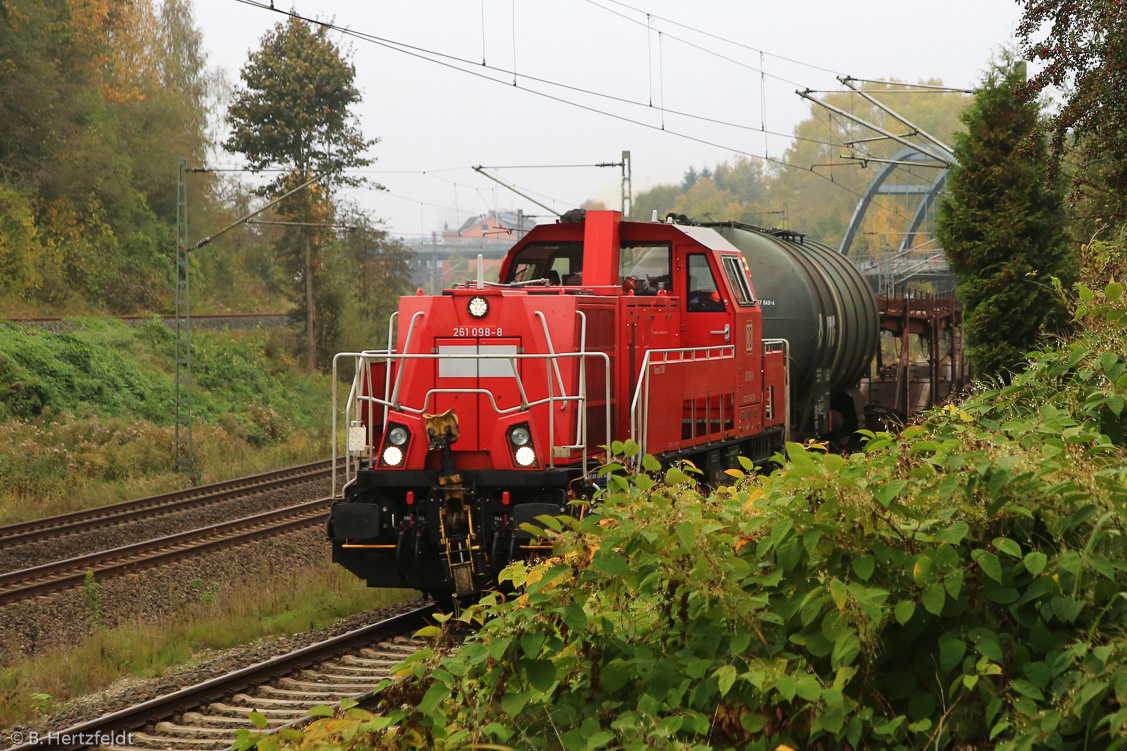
(707, 237)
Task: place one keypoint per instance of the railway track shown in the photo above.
(205, 716)
(60, 575)
(158, 505)
(205, 321)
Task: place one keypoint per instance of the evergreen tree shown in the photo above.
(690, 178)
(1003, 226)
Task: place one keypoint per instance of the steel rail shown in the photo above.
(157, 505)
(53, 577)
(223, 686)
(162, 316)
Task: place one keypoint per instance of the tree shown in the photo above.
(1085, 56)
(659, 198)
(1003, 226)
(373, 271)
(690, 178)
(294, 112)
(85, 127)
(705, 202)
(744, 178)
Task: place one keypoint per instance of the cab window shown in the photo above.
(735, 268)
(556, 262)
(701, 290)
(645, 269)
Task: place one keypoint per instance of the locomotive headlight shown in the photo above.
(526, 457)
(478, 307)
(520, 436)
(397, 436)
(392, 456)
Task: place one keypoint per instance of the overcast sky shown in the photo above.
(650, 63)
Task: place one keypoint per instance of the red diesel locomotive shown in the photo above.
(491, 402)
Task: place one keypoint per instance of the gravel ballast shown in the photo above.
(31, 626)
(130, 691)
(16, 557)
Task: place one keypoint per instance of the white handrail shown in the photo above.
(580, 435)
(551, 351)
(786, 381)
(406, 348)
(639, 429)
(639, 423)
(390, 348)
(396, 360)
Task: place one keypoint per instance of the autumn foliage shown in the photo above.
(101, 98)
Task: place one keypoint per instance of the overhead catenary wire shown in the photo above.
(513, 4)
(717, 37)
(475, 70)
(332, 225)
(482, 29)
(650, 55)
(547, 166)
(426, 173)
(481, 170)
(661, 76)
(933, 87)
(422, 54)
(698, 47)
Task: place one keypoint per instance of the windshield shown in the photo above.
(558, 263)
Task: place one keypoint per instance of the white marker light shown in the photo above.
(478, 307)
(392, 456)
(526, 457)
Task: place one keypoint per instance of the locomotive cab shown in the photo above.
(493, 402)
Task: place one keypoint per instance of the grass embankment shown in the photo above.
(86, 416)
(215, 620)
(958, 586)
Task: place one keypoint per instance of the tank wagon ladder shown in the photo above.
(771, 346)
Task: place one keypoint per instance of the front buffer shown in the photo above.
(444, 531)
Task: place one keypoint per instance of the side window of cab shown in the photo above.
(701, 290)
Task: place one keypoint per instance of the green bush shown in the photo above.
(962, 585)
(86, 416)
(106, 368)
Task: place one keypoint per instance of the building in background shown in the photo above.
(446, 258)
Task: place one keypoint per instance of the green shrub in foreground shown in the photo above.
(959, 586)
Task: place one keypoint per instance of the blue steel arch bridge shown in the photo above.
(909, 252)
(902, 248)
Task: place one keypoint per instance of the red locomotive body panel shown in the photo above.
(493, 401)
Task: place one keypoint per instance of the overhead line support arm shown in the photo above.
(510, 187)
(915, 147)
(253, 214)
(918, 130)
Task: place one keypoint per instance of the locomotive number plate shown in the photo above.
(476, 331)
